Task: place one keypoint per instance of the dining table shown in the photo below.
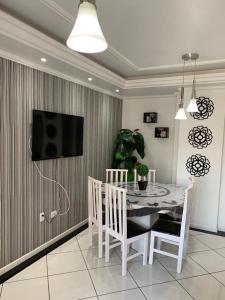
(143, 206)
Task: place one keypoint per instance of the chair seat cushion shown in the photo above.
(168, 218)
(134, 229)
(168, 227)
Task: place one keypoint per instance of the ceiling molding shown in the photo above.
(58, 10)
(32, 39)
(49, 70)
(19, 31)
(151, 97)
(175, 81)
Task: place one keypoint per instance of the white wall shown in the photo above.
(169, 156)
(159, 152)
(206, 196)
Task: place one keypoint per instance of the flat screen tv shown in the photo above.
(56, 135)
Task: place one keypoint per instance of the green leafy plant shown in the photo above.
(142, 170)
(127, 142)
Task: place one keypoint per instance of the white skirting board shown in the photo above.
(201, 227)
(40, 248)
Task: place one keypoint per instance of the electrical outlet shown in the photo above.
(53, 214)
(42, 217)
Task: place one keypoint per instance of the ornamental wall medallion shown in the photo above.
(198, 165)
(205, 108)
(200, 137)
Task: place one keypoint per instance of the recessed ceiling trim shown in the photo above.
(32, 39)
(49, 70)
(59, 10)
(19, 31)
(202, 79)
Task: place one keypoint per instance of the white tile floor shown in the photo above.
(73, 271)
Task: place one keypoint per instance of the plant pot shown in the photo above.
(142, 185)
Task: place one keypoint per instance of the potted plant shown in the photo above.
(142, 171)
(128, 144)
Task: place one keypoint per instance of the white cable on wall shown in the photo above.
(54, 181)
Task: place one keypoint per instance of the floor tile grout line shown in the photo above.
(111, 293)
(63, 252)
(216, 278)
(46, 261)
(177, 281)
(186, 290)
(208, 245)
(25, 279)
(199, 265)
(88, 271)
(136, 283)
(133, 279)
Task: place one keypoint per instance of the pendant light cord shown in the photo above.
(195, 69)
(182, 88)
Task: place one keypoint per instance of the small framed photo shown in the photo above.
(150, 117)
(162, 132)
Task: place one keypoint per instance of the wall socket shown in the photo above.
(53, 214)
(42, 217)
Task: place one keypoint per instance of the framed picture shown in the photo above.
(150, 117)
(161, 132)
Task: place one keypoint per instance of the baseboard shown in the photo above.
(21, 263)
(204, 228)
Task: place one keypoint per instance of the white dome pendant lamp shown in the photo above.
(86, 35)
(180, 115)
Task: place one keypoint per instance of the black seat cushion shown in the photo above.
(168, 218)
(165, 226)
(134, 229)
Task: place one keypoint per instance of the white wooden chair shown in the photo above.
(116, 175)
(121, 229)
(150, 177)
(95, 215)
(175, 233)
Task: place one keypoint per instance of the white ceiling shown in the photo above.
(146, 37)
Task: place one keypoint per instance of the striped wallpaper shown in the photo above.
(23, 194)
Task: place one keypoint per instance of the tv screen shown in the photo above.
(56, 135)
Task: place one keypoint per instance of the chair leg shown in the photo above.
(124, 259)
(145, 252)
(151, 249)
(180, 257)
(128, 249)
(90, 232)
(107, 247)
(158, 243)
(100, 242)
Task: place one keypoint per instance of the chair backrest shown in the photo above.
(95, 200)
(116, 175)
(186, 216)
(150, 176)
(116, 211)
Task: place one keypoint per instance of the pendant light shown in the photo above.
(180, 115)
(193, 107)
(86, 35)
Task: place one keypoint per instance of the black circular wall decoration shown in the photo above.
(198, 165)
(200, 137)
(205, 108)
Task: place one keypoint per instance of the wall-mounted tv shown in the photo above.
(56, 135)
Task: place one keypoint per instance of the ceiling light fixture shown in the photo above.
(192, 107)
(117, 90)
(180, 115)
(43, 59)
(90, 79)
(86, 35)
